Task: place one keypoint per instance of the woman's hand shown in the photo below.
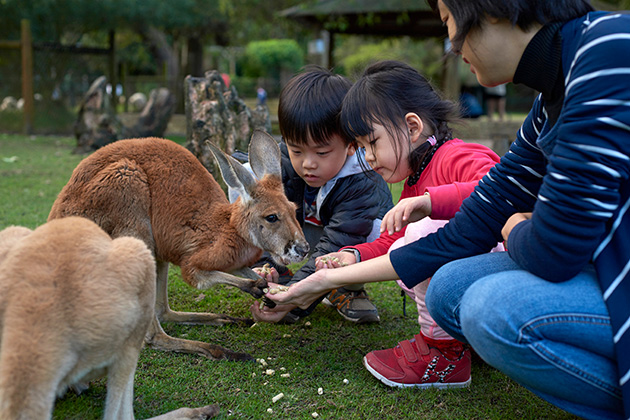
(408, 210)
(335, 260)
(514, 220)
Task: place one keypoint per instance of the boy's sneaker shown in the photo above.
(413, 363)
(353, 305)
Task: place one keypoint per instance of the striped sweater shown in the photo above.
(569, 164)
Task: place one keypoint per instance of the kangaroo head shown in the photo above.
(263, 214)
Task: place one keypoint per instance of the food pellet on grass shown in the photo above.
(277, 397)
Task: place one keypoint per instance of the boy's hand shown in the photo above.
(267, 314)
(303, 293)
(268, 273)
(335, 260)
(408, 210)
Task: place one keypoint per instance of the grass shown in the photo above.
(48, 118)
(320, 354)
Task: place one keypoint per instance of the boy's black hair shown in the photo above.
(309, 106)
(384, 94)
(469, 14)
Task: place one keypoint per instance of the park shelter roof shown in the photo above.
(380, 17)
(369, 17)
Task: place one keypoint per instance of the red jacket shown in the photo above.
(450, 177)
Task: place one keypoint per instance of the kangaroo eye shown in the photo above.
(272, 218)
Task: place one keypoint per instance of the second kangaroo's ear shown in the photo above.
(235, 175)
(264, 154)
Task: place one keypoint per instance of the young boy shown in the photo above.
(338, 203)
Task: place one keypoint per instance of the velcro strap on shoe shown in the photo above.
(409, 351)
(422, 346)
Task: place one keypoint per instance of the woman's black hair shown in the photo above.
(384, 94)
(469, 14)
(309, 106)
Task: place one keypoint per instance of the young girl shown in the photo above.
(401, 122)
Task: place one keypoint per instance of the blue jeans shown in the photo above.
(555, 339)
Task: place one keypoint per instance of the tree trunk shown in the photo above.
(167, 54)
(194, 65)
(216, 114)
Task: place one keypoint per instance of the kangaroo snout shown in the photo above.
(295, 251)
(300, 249)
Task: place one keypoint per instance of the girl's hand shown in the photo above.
(514, 220)
(304, 292)
(268, 273)
(408, 210)
(334, 260)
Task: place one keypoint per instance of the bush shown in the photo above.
(245, 86)
(424, 55)
(272, 57)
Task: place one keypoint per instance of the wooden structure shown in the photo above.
(384, 18)
(387, 18)
(369, 17)
(25, 45)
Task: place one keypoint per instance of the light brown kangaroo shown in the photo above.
(157, 191)
(75, 305)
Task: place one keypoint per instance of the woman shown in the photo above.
(553, 311)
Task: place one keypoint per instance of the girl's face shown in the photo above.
(388, 158)
(493, 51)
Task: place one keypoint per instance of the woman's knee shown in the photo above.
(450, 283)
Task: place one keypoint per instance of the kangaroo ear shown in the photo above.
(264, 154)
(235, 175)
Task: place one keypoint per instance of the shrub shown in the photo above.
(270, 58)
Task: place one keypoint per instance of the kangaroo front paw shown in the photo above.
(255, 288)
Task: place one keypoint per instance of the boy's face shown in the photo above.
(317, 164)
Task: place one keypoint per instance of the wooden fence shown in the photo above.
(25, 44)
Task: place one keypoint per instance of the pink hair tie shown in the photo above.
(432, 140)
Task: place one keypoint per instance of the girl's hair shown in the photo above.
(469, 14)
(309, 106)
(384, 94)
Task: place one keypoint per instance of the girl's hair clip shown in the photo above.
(432, 140)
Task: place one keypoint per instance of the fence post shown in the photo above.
(113, 79)
(27, 76)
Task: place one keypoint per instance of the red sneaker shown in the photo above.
(412, 363)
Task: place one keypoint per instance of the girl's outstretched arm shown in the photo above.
(306, 291)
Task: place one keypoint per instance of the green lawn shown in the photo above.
(321, 353)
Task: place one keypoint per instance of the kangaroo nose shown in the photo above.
(302, 249)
